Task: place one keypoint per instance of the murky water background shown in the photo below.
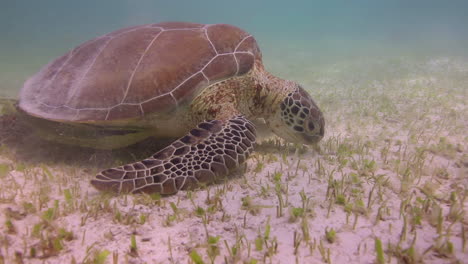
(390, 76)
(308, 33)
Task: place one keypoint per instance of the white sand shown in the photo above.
(385, 117)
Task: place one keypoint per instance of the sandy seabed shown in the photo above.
(388, 184)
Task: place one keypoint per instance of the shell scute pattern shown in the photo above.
(200, 157)
(139, 70)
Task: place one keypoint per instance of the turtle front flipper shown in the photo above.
(207, 153)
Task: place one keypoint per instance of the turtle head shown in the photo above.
(298, 119)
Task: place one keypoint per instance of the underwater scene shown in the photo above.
(233, 132)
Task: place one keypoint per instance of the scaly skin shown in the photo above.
(254, 95)
(214, 148)
(262, 95)
(206, 154)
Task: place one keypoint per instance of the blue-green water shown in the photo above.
(310, 32)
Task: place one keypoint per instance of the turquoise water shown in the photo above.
(307, 32)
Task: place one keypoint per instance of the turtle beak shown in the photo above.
(313, 137)
(289, 136)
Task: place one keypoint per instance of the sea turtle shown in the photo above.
(202, 83)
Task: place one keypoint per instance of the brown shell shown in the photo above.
(138, 70)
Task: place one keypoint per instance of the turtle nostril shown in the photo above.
(311, 126)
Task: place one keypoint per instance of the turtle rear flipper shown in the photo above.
(207, 153)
